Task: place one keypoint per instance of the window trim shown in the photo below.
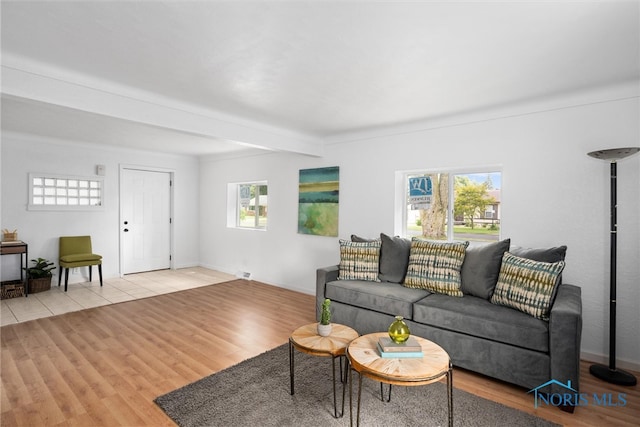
(402, 182)
(56, 207)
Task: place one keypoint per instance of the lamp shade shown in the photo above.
(614, 153)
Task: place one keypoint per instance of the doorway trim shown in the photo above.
(171, 172)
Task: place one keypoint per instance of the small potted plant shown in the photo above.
(324, 327)
(39, 275)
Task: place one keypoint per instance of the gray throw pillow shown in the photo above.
(481, 268)
(394, 258)
(543, 255)
(359, 239)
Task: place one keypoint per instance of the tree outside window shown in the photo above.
(471, 200)
(433, 220)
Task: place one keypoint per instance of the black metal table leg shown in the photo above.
(344, 386)
(350, 395)
(291, 367)
(344, 383)
(343, 374)
(382, 392)
(359, 398)
(450, 393)
(333, 373)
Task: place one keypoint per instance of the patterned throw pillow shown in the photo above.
(435, 266)
(527, 285)
(359, 260)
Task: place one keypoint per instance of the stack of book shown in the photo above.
(408, 349)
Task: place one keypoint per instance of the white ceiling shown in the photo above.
(284, 75)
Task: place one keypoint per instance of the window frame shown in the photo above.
(234, 206)
(402, 183)
(33, 189)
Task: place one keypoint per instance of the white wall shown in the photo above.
(553, 194)
(41, 229)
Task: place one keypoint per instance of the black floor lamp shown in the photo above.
(603, 372)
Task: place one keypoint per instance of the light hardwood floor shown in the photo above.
(104, 366)
(90, 294)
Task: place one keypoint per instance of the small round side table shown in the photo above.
(306, 340)
(364, 358)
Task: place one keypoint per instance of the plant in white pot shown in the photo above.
(324, 327)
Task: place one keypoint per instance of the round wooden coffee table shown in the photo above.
(306, 340)
(364, 358)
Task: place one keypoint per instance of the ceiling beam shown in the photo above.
(104, 100)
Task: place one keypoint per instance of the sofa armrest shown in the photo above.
(324, 275)
(565, 333)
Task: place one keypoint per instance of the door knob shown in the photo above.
(126, 229)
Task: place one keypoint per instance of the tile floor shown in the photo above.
(89, 294)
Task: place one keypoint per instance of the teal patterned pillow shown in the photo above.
(527, 285)
(359, 260)
(435, 266)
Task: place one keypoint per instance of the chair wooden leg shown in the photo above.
(66, 279)
(90, 271)
(60, 276)
(100, 272)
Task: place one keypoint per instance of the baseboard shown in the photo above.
(291, 288)
(279, 285)
(600, 358)
(215, 267)
(259, 279)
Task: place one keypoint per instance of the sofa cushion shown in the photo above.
(436, 266)
(527, 285)
(394, 258)
(481, 268)
(384, 297)
(359, 260)
(478, 317)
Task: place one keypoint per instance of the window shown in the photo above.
(449, 205)
(247, 205)
(488, 213)
(59, 192)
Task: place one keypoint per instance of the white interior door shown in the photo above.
(145, 222)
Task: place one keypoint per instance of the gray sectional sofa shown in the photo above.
(479, 335)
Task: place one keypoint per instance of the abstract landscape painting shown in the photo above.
(318, 194)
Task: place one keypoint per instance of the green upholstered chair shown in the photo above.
(75, 251)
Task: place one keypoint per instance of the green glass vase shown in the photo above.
(399, 330)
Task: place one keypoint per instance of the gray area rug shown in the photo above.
(256, 392)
